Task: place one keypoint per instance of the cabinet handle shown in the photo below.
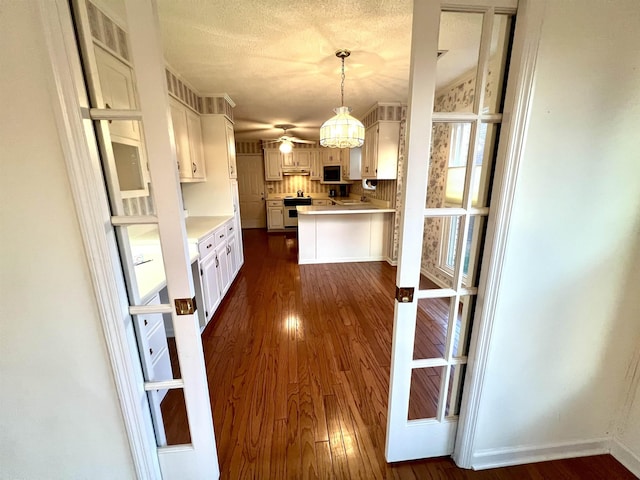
(228, 249)
(222, 235)
(209, 246)
(217, 262)
(195, 168)
(146, 322)
(151, 351)
(231, 229)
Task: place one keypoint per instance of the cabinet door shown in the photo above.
(194, 129)
(316, 166)
(302, 158)
(223, 268)
(370, 152)
(331, 156)
(272, 165)
(210, 287)
(118, 92)
(181, 134)
(231, 149)
(275, 218)
(232, 246)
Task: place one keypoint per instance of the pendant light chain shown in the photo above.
(342, 85)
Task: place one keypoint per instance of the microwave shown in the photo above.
(331, 173)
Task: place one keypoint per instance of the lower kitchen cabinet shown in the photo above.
(220, 260)
(275, 215)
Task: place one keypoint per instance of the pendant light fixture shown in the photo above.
(342, 130)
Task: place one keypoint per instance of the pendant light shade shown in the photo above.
(342, 130)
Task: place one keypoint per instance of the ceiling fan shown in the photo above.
(287, 141)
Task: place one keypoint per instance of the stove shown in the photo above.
(290, 212)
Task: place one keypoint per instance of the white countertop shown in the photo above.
(342, 209)
(145, 245)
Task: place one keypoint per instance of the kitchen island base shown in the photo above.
(344, 237)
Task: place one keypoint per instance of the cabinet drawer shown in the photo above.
(220, 235)
(206, 246)
(274, 203)
(231, 228)
(157, 346)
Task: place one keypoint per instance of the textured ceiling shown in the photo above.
(277, 60)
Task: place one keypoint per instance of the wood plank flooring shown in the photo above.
(298, 366)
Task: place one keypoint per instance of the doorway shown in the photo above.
(251, 191)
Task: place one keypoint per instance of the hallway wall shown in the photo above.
(59, 416)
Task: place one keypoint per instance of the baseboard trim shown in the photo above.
(625, 456)
(393, 263)
(313, 261)
(504, 457)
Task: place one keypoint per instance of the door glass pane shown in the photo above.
(454, 394)
(500, 45)
(450, 149)
(126, 168)
(439, 247)
(473, 250)
(464, 309)
(169, 414)
(459, 44)
(431, 328)
(425, 392)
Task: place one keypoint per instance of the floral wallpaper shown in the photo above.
(457, 98)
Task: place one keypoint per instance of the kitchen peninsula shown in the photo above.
(351, 232)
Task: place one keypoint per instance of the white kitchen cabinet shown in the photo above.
(331, 156)
(194, 128)
(275, 215)
(232, 258)
(187, 132)
(224, 277)
(315, 170)
(286, 160)
(152, 345)
(210, 288)
(272, 165)
(380, 151)
(231, 149)
(118, 92)
(302, 157)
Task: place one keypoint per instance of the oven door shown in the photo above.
(290, 217)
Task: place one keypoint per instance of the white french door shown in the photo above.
(459, 56)
(125, 76)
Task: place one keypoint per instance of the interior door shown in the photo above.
(459, 57)
(150, 230)
(251, 191)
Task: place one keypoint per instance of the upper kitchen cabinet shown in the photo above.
(213, 197)
(272, 165)
(381, 141)
(188, 136)
(231, 149)
(331, 156)
(118, 91)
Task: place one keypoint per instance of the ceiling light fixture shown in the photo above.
(286, 146)
(342, 130)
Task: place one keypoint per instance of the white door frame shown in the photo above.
(518, 99)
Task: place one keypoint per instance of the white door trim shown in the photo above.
(89, 196)
(519, 95)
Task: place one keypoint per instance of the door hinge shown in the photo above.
(404, 295)
(185, 306)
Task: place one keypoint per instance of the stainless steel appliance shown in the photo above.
(290, 212)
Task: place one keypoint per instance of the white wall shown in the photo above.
(59, 413)
(556, 369)
(627, 437)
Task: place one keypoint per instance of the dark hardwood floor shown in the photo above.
(298, 366)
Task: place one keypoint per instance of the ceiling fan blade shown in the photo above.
(299, 140)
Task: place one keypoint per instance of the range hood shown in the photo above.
(295, 171)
